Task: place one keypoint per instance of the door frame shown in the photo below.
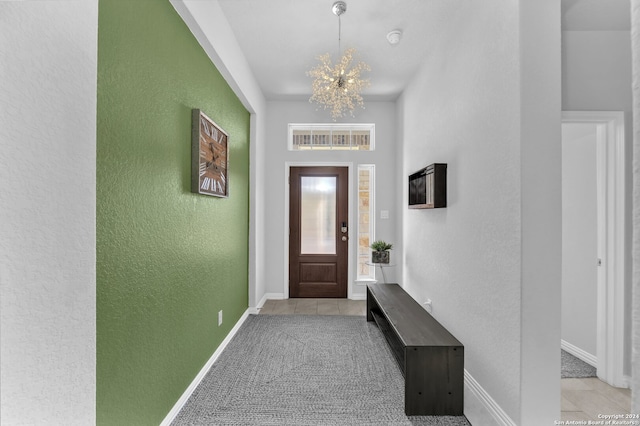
(350, 250)
(610, 172)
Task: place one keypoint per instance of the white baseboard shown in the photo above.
(358, 297)
(271, 296)
(590, 359)
(267, 296)
(480, 408)
(261, 302)
(196, 381)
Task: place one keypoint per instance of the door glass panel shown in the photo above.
(318, 214)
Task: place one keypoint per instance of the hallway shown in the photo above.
(582, 399)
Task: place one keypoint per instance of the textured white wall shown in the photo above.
(635, 38)
(488, 92)
(48, 58)
(384, 157)
(462, 109)
(579, 236)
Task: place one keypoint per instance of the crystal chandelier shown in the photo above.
(338, 87)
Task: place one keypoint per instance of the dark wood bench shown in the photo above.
(431, 359)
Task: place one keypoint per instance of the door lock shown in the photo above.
(344, 228)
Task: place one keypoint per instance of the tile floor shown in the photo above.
(315, 307)
(582, 399)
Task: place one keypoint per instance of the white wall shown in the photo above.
(48, 59)
(487, 102)
(596, 71)
(540, 142)
(596, 76)
(279, 115)
(635, 35)
(579, 237)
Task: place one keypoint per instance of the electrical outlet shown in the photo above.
(219, 318)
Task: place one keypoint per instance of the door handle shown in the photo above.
(344, 238)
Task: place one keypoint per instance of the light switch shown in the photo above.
(384, 214)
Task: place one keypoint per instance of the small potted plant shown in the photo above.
(380, 253)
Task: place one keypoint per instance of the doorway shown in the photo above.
(318, 231)
(603, 346)
(580, 240)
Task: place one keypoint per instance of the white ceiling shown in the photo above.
(282, 38)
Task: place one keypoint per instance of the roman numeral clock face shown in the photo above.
(212, 158)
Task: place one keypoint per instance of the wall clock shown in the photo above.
(209, 156)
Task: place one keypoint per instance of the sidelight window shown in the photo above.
(366, 218)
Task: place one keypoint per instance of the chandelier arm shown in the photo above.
(339, 35)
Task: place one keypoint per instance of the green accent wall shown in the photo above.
(167, 259)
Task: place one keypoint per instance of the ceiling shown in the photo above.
(281, 39)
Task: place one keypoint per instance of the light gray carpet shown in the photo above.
(575, 368)
(304, 370)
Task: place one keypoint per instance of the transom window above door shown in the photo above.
(330, 136)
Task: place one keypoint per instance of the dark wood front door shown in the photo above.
(318, 231)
